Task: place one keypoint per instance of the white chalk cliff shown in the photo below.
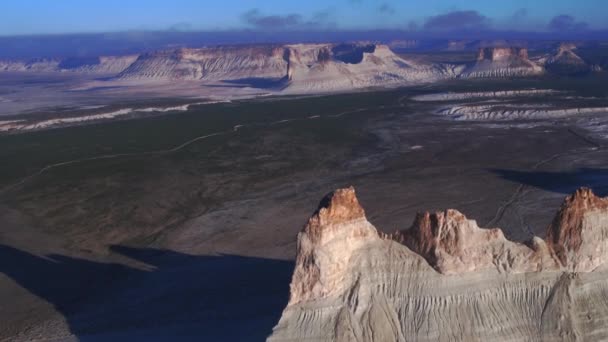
(295, 68)
(107, 65)
(290, 68)
(446, 279)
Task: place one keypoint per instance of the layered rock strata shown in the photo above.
(297, 67)
(499, 62)
(446, 279)
(507, 112)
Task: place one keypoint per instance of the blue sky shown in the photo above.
(72, 16)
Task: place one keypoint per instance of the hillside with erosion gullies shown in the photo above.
(294, 68)
(446, 279)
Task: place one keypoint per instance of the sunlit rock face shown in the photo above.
(447, 279)
(223, 63)
(502, 53)
(578, 234)
(326, 245)
(452, 244)
(292, 68)
(500, 62)
(105, 65)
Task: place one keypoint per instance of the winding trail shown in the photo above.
(177, 148)
(516, 194)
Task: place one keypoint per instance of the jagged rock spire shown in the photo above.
(579, 232)
(334, 232)
(448, 241)
(337, 207)
(453, 244)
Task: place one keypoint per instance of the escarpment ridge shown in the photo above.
(451, 243)
(445, 278)
(292, 67)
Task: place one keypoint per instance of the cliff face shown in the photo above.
(578, 234)
(209, 64)
(452, 244)
(447, 279)
(107, 65)
(290, 68)
(502, 62)
(298, 68)
(502, 53)
(326, 245)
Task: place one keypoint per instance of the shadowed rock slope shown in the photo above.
(446, 279)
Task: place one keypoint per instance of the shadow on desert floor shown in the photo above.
(560, 182)
(180, 297)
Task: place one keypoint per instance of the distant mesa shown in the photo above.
(498, 62)
(313, 68)
(302, 67)
(499, 54)
(104, 65)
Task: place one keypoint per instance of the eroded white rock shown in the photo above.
(456, 281)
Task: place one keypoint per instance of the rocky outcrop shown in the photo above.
(507, 112)
(326, 244)
(495, 62)
(223, 63)
(566, 62)
(446, 279)
(449, 96)
(578, 234)
(107, 65)
(453, 244)
(33, 65)
(296, 68)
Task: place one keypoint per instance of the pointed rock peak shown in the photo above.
(583, 195)
(430, 231)
(442, 230)
(565, 234)
(335, 231)
(453, 244)
(338, 207)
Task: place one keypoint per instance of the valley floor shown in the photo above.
(141, 236)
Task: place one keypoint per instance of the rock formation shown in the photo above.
(294, 68)
(326, 243)
(107, 65)
(298, 67)
(446, 279)
(494, 62)
(514, 112)
(452, 244)
(566, 62)
(222, 63)
(579, 232)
